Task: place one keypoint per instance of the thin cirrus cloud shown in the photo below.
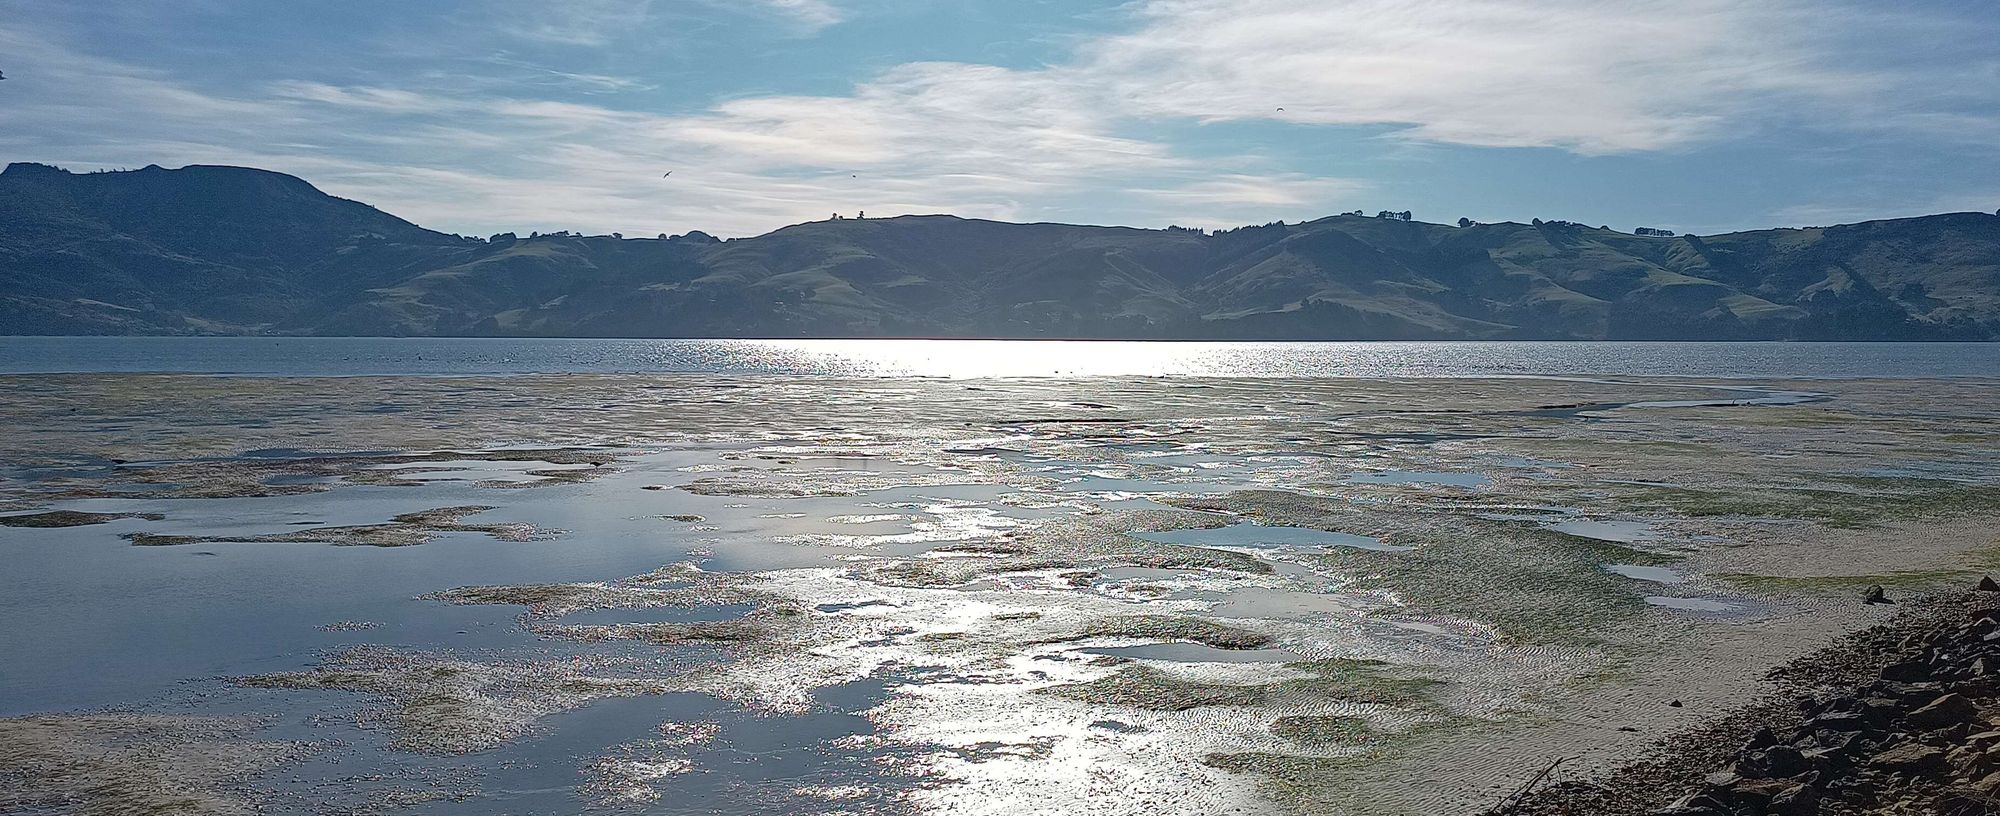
(811, 14)
(1587, 76)
(599, 23)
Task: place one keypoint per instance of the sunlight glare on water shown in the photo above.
(1006, 358)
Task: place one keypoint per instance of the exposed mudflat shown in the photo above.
(703, 594)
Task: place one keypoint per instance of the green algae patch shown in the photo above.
(1529, 585)
(262, 477)
(406, 530)
(1873, 501)
(439, 705)
(119, 763)
(1303, 783)
(755, 629)
(71, 518)
(1363, 681)
(1314, 730)
(1177, 628)
(159, 540)
(555, 600)
(1980, 563)
(1153, 689)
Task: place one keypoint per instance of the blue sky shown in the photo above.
(479, 116)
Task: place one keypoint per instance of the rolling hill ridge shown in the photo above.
(227, 250)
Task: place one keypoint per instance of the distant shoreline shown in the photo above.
(998, 339)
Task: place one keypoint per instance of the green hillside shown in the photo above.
(238, 251)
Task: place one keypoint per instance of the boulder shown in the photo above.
(1755, 791)
(1987, 584)
(1773, 762)
(1963, 803)
(1876, 595)
(1694, 804)
(1944, 711)
(1970, 762)
(1908, 758)
(1908, 671)
(1847, 721)
(1797, 800)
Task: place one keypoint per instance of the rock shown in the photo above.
(1773, 762)
(1694, 804)
(1963, 803)
(1970, 762)
(1909, 758)
(1673, 704)
(1755, 791)
(1988, 784)
(1946, 710)
(1763, 738)
(1987, 584)
(1881, 709)
(1906, 671)
(1875, 595)
(1797, 800)
(1830, 761)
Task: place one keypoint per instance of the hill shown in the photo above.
(227, 250)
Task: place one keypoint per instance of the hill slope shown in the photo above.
(233, 250)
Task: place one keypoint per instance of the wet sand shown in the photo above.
(695, 594)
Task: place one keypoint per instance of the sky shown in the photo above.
(481, 116)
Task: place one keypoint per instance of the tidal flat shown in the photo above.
(703, 593)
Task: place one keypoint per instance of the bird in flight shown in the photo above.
(3, 74)
(666, 174)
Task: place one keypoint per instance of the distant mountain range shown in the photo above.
(229, 250)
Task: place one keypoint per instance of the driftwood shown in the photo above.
(1520, 794)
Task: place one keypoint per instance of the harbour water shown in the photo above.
(356, 356)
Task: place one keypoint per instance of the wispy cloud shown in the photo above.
(531, 73)
(598, 23)
(532, 146)
(1584, 75)
(810, 15)
(589, 23)
(933, 137)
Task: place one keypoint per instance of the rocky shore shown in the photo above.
(1902, 718)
